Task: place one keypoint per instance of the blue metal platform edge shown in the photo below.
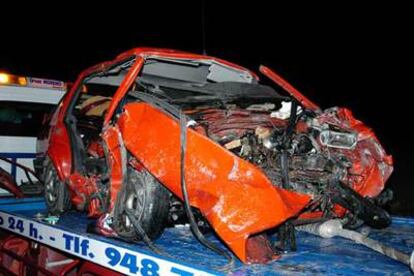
(315, 255)
(17, 216)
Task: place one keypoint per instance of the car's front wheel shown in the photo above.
(147, 200)
(57, 196)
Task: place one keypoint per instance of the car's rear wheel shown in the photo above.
(57, 196)
(147, 200)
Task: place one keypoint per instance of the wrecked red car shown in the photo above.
(158, 137)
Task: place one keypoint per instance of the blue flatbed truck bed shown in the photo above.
(186, 256)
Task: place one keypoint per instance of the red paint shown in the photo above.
(371, 166)
(112, 137)
(260, 250)
(16, 245)
(234, 195)
(123, 88)
(82, 190)
(95, 149)
(38, 258)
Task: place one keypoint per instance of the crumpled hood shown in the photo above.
(235, 196)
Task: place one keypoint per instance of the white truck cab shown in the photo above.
(24, 103)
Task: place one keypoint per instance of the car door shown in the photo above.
(59, 145)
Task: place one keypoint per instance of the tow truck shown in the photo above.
(51, 246)
(35, 243)
(25, 103)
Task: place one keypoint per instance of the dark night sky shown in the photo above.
(338, 56)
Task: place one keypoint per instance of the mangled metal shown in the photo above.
(254, 160)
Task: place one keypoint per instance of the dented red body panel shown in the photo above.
(113, 142)
(236, 197)
(371, 166)
(217, 180)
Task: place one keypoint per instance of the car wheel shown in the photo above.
(57, 195)
(144, 197)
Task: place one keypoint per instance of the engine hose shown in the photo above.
(193, 224)
(333, 228)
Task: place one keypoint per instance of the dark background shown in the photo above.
(352, 56)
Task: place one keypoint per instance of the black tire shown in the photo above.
(148, 200)
(57, 196)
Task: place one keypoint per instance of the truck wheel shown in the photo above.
(57, 195)
(147, 199)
